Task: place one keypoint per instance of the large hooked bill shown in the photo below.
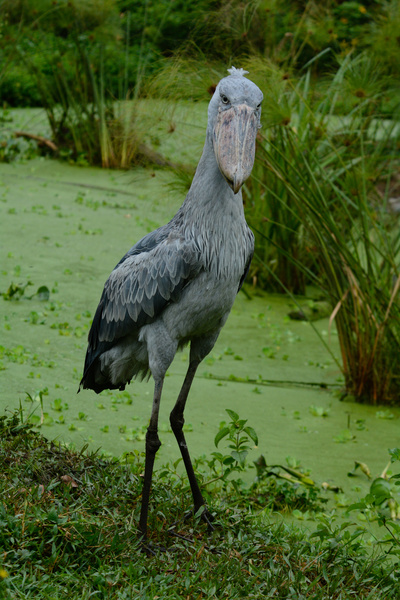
(235, 143)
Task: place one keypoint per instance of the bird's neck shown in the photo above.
(209, 187)
(213, 216)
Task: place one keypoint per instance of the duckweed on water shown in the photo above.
(43, 343)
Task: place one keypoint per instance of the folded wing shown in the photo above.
(150, 276)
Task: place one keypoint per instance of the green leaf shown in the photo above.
(356, 506)
(52, 515)
(240, 457)
(235, 455)
(380, 489)
(200, 511)
(394, 454)
(217, 455)
(234, 416)
(220, 435)
(384, 414)
(252, 434)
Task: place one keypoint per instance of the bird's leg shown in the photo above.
(177, 421)
(152, 445)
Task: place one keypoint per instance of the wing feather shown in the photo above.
(152, 274)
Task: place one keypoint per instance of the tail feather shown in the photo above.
(114, 368)
(94, 379)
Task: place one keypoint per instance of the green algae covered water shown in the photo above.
(63, 229)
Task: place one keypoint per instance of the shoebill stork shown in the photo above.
(177, 285)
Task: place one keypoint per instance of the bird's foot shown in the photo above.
(206, 516)
(150, 548)
(147, 547)
(202, 514)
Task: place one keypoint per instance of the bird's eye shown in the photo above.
(259, 105)
(225, 99)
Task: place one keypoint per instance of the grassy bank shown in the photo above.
(69, 528)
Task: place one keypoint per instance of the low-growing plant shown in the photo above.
(238, 437)
(382, 504)
(286, 489)
(275, 487)
(17, 291)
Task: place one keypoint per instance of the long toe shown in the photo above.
(151, 549)
(202, 514)
(208, 518)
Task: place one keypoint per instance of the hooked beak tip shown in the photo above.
(236, 184)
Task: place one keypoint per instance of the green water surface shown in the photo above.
(65, 227)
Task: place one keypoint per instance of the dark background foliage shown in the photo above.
(127, 39)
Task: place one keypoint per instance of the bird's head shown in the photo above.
(234, 117)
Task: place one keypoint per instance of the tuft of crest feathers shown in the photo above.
(237, 72)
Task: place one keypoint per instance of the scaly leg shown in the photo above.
(152, 445)
(177, 421)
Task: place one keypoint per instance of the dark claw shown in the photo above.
(151, 549)
(208, 518)
(179, 535)
(205, 516)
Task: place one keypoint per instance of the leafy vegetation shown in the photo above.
(320, 195)
(80, 72)
(135, 35)
(87, 63)
(69, 527)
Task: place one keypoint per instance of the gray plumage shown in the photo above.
(177, 285)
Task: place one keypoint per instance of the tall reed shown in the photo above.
(88, 122)
(314, 112)
(315, 198)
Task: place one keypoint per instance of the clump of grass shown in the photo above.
(69, 528)
(87, 124)
(315, 198)
(357, 255)
(90, 123)
(186, 78)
